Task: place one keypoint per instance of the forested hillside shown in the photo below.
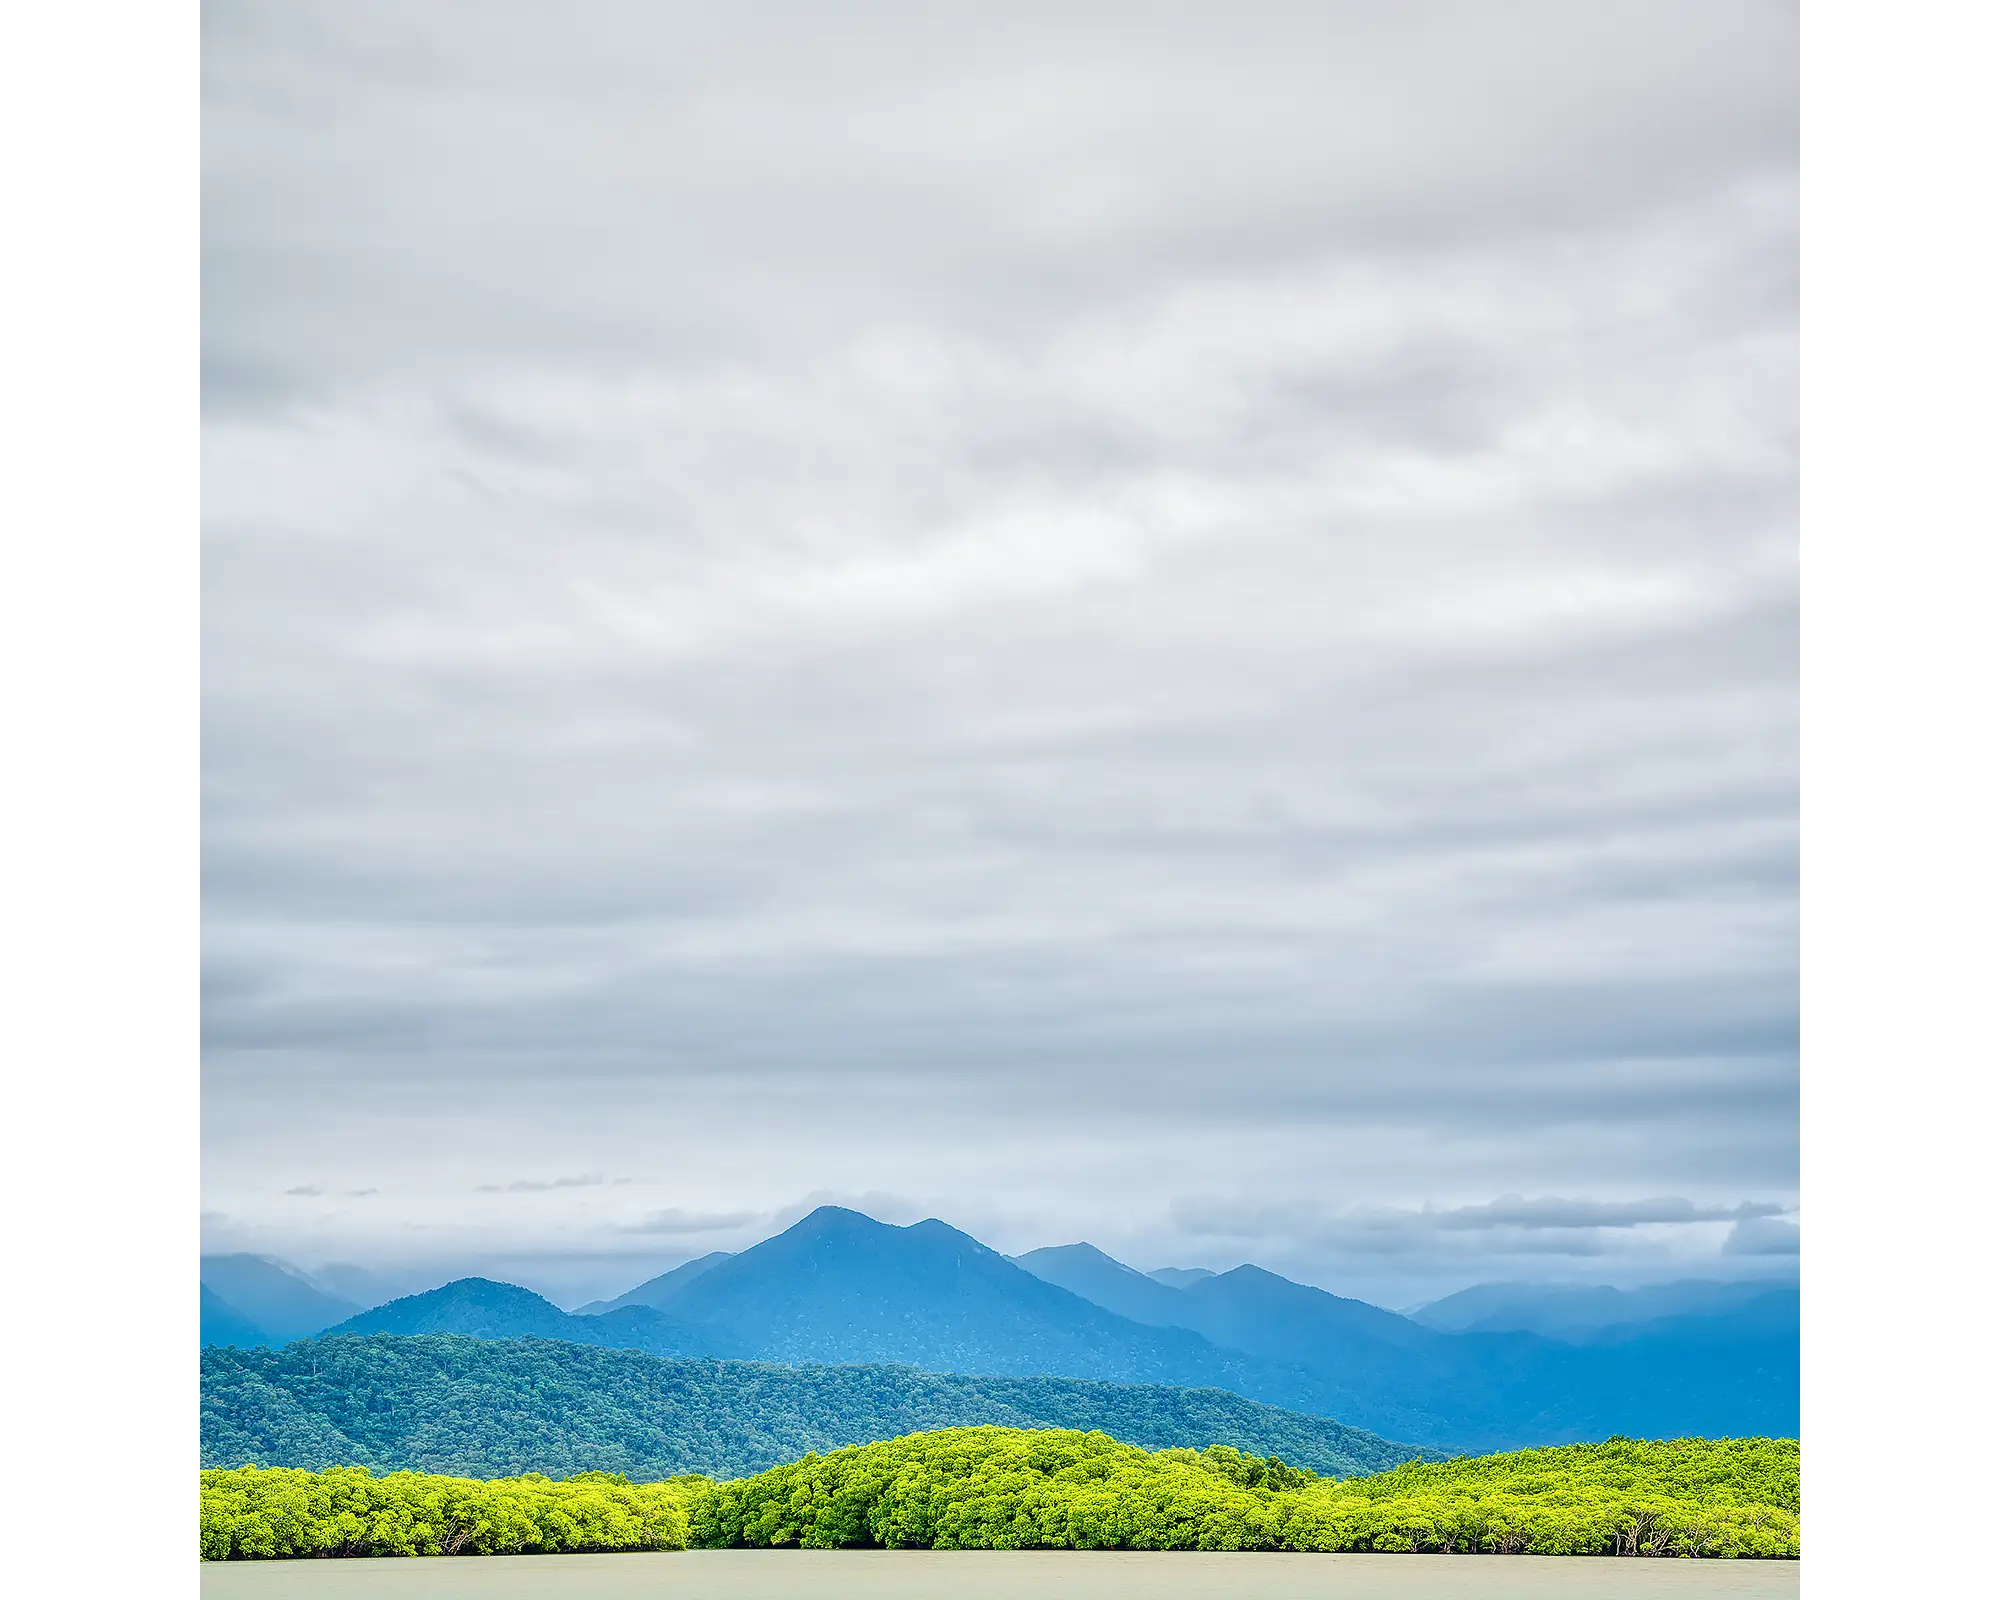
(1002, 1488)
(489, 1408)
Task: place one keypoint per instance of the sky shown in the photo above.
(1167, 625)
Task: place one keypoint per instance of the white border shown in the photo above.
(1899, 741)
(99, 825)
(99, 152)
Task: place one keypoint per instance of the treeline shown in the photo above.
(261, 1513)
(487, 1408)
(1008, 1488)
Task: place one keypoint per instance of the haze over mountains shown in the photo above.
(841, 1288)
(656, 1292)
(277, 1302)
(1575, 1312)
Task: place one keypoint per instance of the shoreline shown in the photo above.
(1000, 1575)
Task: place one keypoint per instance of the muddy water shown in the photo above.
(996, 1575)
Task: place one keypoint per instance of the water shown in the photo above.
(997, 1575)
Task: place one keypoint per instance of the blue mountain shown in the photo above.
(275, 1298)
(1085, 1270)
(1244, 1309)
(1577, 1313)
(223, 1324)
(1729, 1371)
(657, 1292)
(483, 1309)
(1770, 1315)
(1176, 1277)
(840, 1287)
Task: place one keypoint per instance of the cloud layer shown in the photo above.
(1066, 617)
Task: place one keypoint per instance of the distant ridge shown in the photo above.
(658, 1292)
(223, 1324)
(280, 1301)
(1729, 1370)
(1577, 1312)
(1085, 1270)
(489, 1408)
(1179, 1277)
(482, 1309)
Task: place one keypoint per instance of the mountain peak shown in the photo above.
(931, 1228)
(485, 1309)
(1085, 1270)
(831, 1221)
(461, 1295)
(493, 1288)
(1081, 1253)
(842, 1225)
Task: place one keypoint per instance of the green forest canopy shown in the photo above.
(1013, 1488)
(491, 1408)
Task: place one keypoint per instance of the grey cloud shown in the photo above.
(306, 1189)
(540, 1186)
(1250, 1220)
(675, 1220)
(751, 1225)
(1494, 1230)
(1012, 611)
(1511, 1211)
(1762, 1236)
(655, 182)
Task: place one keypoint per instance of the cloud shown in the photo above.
(539, 1186)
(883, 607)
(1237, 1219)
(1510, 1225)
(1511, 1211)
(307, 1189)
(675, 1220)
(1762, 1236)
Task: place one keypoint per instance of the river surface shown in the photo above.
(996, 1575)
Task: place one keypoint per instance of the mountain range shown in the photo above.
(841, 1288)
(1577, 1313)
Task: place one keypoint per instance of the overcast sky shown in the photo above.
(1175, 626)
